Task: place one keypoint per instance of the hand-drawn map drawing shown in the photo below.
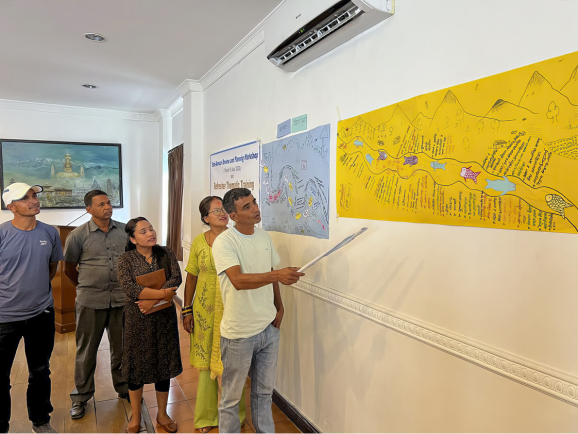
(295, 184)
(500, 152)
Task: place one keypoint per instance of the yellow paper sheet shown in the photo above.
(500, 152)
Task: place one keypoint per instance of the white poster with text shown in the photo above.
(237, 167)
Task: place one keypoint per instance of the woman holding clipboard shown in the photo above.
(149, 275)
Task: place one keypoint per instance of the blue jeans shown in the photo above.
(257, 355)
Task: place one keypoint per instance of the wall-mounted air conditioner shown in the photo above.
(302, 30)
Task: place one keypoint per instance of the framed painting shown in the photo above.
(66, 170)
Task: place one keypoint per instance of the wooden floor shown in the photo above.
(183, 397)
(106, 413)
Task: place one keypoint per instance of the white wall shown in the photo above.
(513, 291)
(178, 133)
(141, 169)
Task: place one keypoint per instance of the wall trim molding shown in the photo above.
(247, 45)
(176, 107)
(189, 85)
(77, 111)
(544, 379)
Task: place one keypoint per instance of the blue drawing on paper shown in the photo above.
(502, 185)
(435, 165)
(295, 184)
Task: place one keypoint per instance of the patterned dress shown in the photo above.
(151, 342)
(201, 264)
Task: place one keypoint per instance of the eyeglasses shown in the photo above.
(218, 211)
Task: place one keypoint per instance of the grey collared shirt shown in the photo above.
(96, 252)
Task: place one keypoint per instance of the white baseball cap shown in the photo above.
(17, 191)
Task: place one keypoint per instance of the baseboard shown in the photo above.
(293, 413)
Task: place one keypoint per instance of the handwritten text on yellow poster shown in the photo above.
(500, 152)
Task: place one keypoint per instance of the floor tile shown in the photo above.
(188, 376)
(20, 352)
(286, 426)
(85, 425)
(14, 372)
(186, 427)
(22, 376)
(110, 416)
(186, 361)
(104, 388)
(71, 344)
(178, 411)
(190, 390)
(60, 338)
(247, 428)
(20, 426)
(192, 404)
(104, 344)
(128, 411)
(175, 395)
(18, 395)
(248, 418)
(60, 349)
(57, 419)
(278, 415)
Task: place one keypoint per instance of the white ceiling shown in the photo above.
(153, 45)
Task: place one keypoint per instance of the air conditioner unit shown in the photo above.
(300, 31)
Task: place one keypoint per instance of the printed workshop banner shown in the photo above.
(295, 184)
(66, 171)
(237, 167)
(500, 152)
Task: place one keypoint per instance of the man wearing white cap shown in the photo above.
(29, 254)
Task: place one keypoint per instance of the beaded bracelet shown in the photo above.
(188, 310)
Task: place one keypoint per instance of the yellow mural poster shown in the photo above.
(500, 152)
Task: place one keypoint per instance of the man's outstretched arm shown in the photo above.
(245, 281)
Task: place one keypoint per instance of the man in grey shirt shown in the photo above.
(90, 256)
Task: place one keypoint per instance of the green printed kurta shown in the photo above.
(206, 336)
(201, 264)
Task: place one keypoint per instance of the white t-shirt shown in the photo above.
(247, 312)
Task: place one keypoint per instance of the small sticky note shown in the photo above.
(284, 128)
(299, 124)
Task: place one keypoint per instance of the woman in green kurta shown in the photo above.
(203, 320)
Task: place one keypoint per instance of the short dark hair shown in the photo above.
(88, 196)
(233, 196)
(205, 206)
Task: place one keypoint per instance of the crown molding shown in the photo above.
(247, 45)
(538, 377)
(75, 111)
(189, 85)
(162, 113)
(176, 107)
